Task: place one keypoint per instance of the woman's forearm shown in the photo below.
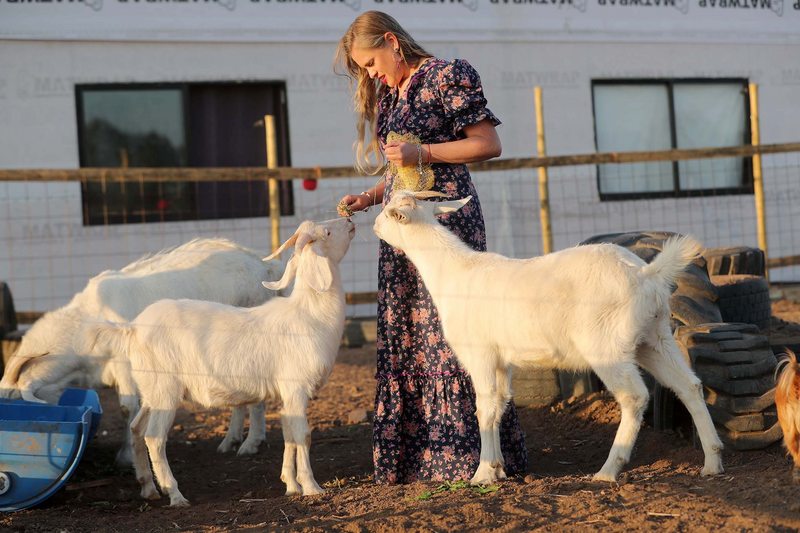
(375, 194)
(469, 150)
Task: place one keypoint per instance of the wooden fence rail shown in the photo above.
(290, 173)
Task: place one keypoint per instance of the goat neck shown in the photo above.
(437, 254)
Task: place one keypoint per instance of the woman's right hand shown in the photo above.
(351, 203)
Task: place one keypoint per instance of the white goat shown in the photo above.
(219, 355)
(52, 354)
(595, 306)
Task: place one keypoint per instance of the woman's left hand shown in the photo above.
(402, 154)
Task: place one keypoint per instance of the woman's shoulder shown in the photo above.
(453, 72)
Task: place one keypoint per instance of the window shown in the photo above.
(653, 115)
(179, 125)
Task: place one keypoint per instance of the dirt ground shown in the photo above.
(567, 441)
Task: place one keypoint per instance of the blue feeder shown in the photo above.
(41, 445)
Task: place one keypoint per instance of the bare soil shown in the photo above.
(567, 441)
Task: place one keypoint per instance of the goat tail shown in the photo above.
(787, 401)
(678, 253)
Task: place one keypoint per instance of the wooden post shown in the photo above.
(544, 192)
(124, 162)
(274, 199)
(758, 179)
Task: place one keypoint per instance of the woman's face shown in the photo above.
(381, 63)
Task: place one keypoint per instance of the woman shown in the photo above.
(426, 117)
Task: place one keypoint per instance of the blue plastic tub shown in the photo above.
(41, 445)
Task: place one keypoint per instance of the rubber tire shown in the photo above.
(694, 300)
(8, 316)
(735, 260)
(8, 320)
(736, 365)
(752, 440)
(744, 298)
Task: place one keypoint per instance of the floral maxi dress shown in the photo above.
(425, 426)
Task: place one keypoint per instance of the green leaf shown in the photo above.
(458, 485)
(480, 489)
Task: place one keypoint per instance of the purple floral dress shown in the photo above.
(425, 426)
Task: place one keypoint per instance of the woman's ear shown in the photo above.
(391, 40)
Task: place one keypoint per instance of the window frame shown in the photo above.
(677, 192)
(284, 150)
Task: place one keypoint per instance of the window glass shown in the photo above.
(137, 128)
(709, 115)
(671, 114)
(633, 118)
(134, 128)
(148, 126)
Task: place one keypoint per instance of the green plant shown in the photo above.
(448, 486)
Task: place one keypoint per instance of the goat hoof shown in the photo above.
(293, 490)
(485, 475)
(225, 446)
(313, 490)
(500, 473)
(248, 447)
(124, 458)
(485, 480)
(603, 476)
(712, 469)
(150, 492)
(178, 501)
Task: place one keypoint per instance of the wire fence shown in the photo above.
(49, 253)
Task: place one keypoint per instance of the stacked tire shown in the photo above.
(736, 365)
(8, 321)
(718, 320)
(694, 300)
(744, 298)
(738, 273)
(734, 261)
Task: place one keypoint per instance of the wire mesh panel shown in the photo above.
(50, 253)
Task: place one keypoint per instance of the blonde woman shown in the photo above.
(425, 118)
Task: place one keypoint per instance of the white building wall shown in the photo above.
(47, 254)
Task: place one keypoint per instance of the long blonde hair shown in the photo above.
(367, 31)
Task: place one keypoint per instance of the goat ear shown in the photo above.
(286, 279)
(398, 214)
(315, 269)
(448, 207)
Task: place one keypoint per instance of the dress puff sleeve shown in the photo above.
(462, 95)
